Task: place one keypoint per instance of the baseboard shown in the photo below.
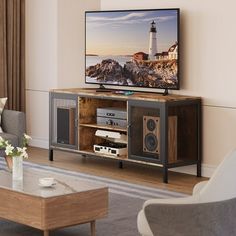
(207, 170)
(39, 142)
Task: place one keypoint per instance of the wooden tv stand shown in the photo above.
(162, 131)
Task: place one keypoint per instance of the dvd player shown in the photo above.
(114, 149)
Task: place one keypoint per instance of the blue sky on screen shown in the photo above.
(127, 32)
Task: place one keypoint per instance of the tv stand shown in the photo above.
(165, 92)
(102, 89)
(176, 118)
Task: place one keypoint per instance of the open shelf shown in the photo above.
(88, 108)
(106, 127)
(91, 152)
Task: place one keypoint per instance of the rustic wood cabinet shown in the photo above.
(162, 131)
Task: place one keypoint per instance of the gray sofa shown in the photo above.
(13, 125)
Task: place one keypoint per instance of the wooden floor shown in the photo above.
(139, 174)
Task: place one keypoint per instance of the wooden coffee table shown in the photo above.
(70, 201)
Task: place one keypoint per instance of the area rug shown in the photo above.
(125, 201)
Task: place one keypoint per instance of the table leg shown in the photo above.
(46, 233)
(93, 228)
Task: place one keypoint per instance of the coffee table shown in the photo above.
(70, 201)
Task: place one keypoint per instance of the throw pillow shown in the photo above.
(2, 104)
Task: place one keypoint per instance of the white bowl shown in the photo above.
(46, 181)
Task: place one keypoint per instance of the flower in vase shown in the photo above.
(15, 151)
(22, 152)
(9, 149)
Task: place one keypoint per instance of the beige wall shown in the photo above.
(71, 41)
(208, 61)
(41, 65)
(55, 59)
(54, 56)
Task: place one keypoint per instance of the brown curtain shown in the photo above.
(12, 53)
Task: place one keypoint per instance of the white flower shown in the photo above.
(27, 137)
(9, 149)
(22, 152)
(1, 141)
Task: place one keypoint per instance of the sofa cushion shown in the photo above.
(2, 104)
(2, 153)
(13, 139)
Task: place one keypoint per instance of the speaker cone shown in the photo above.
(151, 124)
(151, 142)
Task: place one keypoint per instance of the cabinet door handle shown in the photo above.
(76, 123)
(129, 130)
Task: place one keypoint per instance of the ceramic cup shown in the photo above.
(46, 181)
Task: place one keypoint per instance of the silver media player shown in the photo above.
(114, 112)
(112, 116)
(111, 121)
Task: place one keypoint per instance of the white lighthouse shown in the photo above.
(152, 41)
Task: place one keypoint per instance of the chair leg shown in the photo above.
(46, 233)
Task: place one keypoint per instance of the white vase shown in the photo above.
(17, 168)
(17, 184)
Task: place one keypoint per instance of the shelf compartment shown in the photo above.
(88, 108)
(91, 152)
(187, 149)
(88, 139)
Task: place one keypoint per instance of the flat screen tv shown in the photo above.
(133, 48)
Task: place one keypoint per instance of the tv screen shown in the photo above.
(134, 48)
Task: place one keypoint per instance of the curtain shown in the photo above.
(12, 53)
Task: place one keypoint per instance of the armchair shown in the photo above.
(210, 211)
(13, 125)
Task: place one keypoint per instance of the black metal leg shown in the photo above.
(199, 169)
(165, 175)
(121, 164)
(50, 154)
(199, 157)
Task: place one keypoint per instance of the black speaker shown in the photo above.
(66, 125)
(151, 134)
